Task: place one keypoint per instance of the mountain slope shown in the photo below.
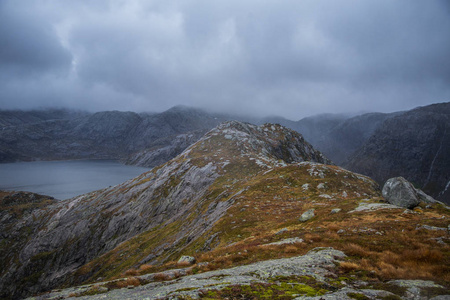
(414, 145)
(165, 195)
(241, 194)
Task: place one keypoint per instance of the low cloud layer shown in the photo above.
(289, 58)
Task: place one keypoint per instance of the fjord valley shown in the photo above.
(236, 150)
(244, 211)
(413, 144)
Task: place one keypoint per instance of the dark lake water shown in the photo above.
(65, 179)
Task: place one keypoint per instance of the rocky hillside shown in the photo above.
(415, 145)
(243, 195)
(72, 233)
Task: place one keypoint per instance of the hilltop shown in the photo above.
(241, 195)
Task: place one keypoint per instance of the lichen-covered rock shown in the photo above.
(350, 294)
(186, 259)
(335, 210)
(398, 191)
(307, 215)
(318, 263)
(287, 241)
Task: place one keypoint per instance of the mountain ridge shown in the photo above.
(237, 196)
(187, 177)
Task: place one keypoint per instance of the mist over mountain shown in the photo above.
(49, 135)
(414, 144)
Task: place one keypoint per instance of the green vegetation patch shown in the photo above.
(282, 290)
(358, 296)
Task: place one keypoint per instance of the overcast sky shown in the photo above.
(289, 58)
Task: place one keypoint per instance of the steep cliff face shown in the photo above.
(169, 206)
(344, 139)
(414, 145)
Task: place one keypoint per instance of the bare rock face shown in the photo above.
(170, 148)
(399, 191)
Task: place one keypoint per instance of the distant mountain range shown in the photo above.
(59, 135)
(413, 144)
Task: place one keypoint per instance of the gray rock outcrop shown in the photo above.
(307, 215)
(400, 192)
(318, 263)
(186, 259)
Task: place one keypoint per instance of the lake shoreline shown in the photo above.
(65, 179)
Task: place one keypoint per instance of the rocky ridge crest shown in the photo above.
(71, 233)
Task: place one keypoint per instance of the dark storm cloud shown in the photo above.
(28, 44)
(291, 58)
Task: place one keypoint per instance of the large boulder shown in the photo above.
(401, 192)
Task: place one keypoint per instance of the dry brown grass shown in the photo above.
(183, 264)
(308, 237)
(119, 284)
(420, 262)
(349, 266)
(423, 254)
(331, 235)
(131, 272)
(355, 250)
(290, 249)
(144, 268)
(161, 277)
(333, 227)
